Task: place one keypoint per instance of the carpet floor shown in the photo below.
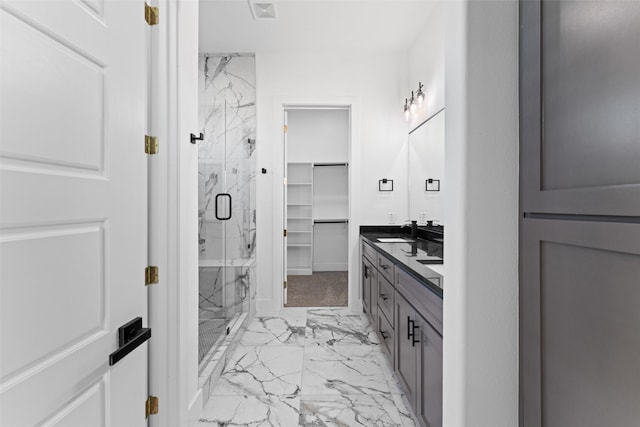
(320, 289)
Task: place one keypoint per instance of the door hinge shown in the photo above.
(151, 406)
(151, 275)
(285, 284)
(151, 144)
(285, 232)
(151, 14)
(286, 128)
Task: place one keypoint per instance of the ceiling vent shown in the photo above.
(262, 10)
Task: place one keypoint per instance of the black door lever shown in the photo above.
(130, 336)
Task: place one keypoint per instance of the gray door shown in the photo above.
(580, 213)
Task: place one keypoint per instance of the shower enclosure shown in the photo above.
(226, 213)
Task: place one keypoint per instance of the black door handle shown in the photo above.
(130, 336)
(216, 206)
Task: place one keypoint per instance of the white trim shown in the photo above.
(282, 103)
(173, 211)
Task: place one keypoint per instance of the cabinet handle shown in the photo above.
(384, 335)
(384, 297)
(414, 341)
(411, 331)
(384, 267)
(366, 272)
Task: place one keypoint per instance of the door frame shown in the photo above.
(354, 154)
(173, 205)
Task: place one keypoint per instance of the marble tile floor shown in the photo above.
(308, 367)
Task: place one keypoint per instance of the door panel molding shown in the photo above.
(595, 198)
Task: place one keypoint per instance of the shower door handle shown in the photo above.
(216, 206)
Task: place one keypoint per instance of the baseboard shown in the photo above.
(331, 266)
(195, 409)
(299, 271)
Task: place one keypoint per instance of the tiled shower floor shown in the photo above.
(308, 367)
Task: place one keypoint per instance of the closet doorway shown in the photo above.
(316, 211)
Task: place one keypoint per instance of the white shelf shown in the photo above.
(299, 204)
(298, 231)
(299, 245)
(299, 183)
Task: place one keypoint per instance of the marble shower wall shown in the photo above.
(226, 161)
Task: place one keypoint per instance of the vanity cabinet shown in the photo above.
(408, 319)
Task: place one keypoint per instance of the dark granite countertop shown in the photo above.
(428, 246)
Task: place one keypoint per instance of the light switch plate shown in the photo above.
(391, 217)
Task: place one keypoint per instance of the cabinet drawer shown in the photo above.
(369, 252)
(385, 267)
(428, 304)
(385, 298)
(386, 334)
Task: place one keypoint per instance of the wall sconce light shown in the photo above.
(415, 102)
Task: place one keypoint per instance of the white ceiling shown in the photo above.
(312, 26)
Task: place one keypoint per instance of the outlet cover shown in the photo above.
(392, 218)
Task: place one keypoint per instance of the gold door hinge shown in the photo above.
(285, 233)
(285, 284)
(151, 275)
(286, 128)
(151, 406)
(151, 144)
(151, 14)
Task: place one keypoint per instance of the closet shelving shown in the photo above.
(330, 216)
(299, 218)
(317, 217)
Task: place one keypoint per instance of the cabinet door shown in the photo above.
(429, 398)
(367, 274)
(406, 367)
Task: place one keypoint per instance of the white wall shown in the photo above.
(317, 136)
(481, 169)
(426, 144)
(374, 85)
(426, 64)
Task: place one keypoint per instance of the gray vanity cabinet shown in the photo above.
(408, 320)
(419, 363)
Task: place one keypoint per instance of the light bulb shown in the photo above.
(406, 109)
(412, 105)
(420, 95)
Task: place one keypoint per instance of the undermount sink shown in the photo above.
(430, 261)
(394, 240)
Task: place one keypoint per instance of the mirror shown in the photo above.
(426, 162)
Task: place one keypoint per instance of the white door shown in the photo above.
(285, 252)
(73, 214)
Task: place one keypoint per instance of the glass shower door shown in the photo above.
(212, 260)
(225, 170)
